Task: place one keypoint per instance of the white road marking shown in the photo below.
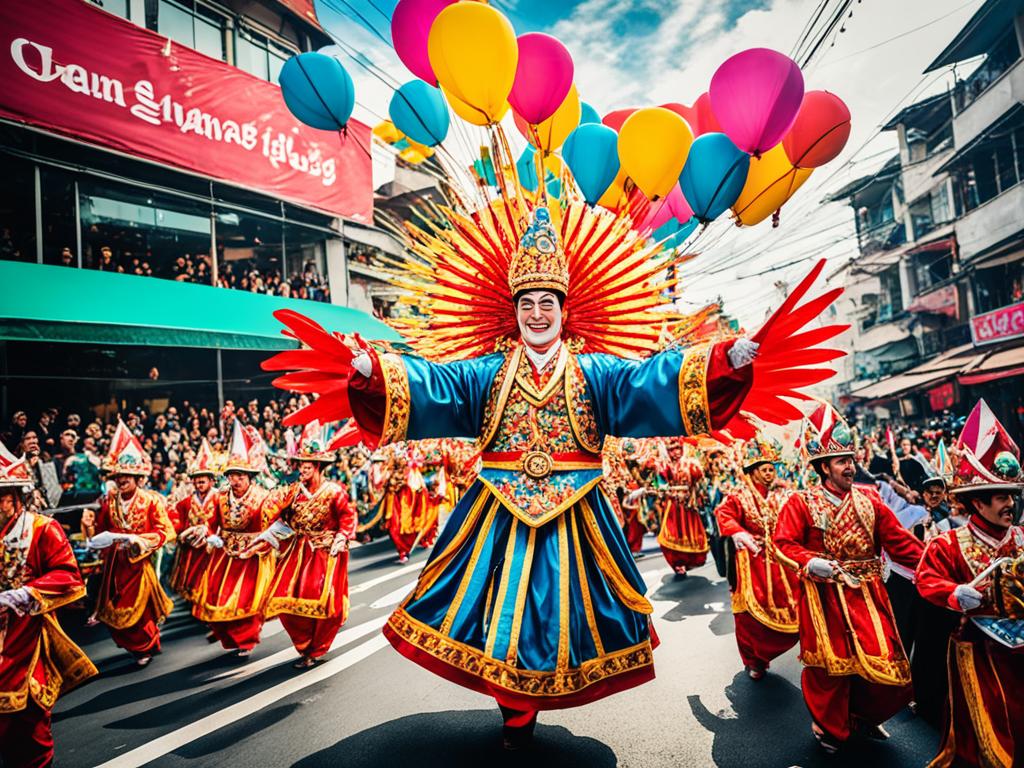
(211, 723)
(393, 598)
(357, 588)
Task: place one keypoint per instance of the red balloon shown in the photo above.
(615, 119)
(820, 132)
(706, 120)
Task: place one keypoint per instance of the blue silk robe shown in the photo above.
(531, 594)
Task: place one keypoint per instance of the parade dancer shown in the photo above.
(410, 513)
(234, 585)
(682, 535)
(764, 593)
(531, 595)
(977, 571)
(131, 526)
(38, 662)
(191, 520)
(312, 530)
(856, 674)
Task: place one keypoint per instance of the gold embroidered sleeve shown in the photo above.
(397, 399)
(693, 390)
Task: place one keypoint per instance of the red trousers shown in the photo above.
(25, 738)
(311, 637)
(634, 531)
(835, 701)
(240, 634)
(759, 644)
(688, 560)
(141, 638)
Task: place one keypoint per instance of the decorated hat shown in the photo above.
(985, 456)
(826, 435)
(540, 262)
(761, 450)
(14, 472)
(313, 444)
(204, 462)
(126, 456)
(247, 452)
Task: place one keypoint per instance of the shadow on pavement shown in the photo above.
(459, 739)
(696, 596)
(769, 727)
(234, 734)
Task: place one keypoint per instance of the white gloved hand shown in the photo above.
(215, 541)
(742, 353)
(340, 544)
(194, 536)
(18, 600)
(967, 597)
(268, 537)
(821, 568)
(101, 540)
(745, 540)
(363, 364)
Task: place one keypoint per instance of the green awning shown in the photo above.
(49, 303)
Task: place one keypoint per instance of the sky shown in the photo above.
(640, 53)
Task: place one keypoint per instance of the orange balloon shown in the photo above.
(552, 133)
(653, 146)
(771, 181)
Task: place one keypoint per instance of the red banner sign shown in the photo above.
(942, 397)
(74, 69)
(940, 302)
(999, 325)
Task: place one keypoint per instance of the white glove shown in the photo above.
(101, 540)
(742, 353)
(967, 597)
(215, 541)
(18, 600)
(195, 536)
(821, 568)
(745, 540)
(340, 544)
(363, 364)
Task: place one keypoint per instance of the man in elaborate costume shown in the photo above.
(856, 674)
(313, 526)
(682, 535)
(234, 586)
(38, 662)
(131, 526)
(409, 511)
(531, 595)
(764, 592)
(191, 520)
(977, 570)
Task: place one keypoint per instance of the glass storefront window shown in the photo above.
(60, 244)
(192, 25)
(305, 263)
(249, 252)
(18, 211)
(251, 54)
(144, 233)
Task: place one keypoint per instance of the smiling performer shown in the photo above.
(531, 595)
(856, 674)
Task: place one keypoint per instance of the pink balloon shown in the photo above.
(410, 28)
(681, 210)
(755, 96)
(543, 77)
(658, 213)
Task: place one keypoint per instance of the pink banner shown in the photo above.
(998, 325)
(74, 69)
(940, 302)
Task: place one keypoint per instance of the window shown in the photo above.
(117, 7)
(999, 58)
(18, 210)
(192, 24)
(940, 140)
(994, 166)
(890, 299)
(60, 243)
(305, 263)
(999, 286)
(249, 251)
(258, 55)
(939, 201)
(930, 268)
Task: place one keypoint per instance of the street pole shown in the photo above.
(220, 381)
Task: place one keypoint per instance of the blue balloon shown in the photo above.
(588, 114)
(318, 90)
(666, 232)
(685, 231)
(713, 176)
(554, 184)
(592, 154)
(526, 167)
(419, 111)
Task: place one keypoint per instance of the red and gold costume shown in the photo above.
(764, 596)
(410, 510)
(682, 536)
(131, 601)
(985, 722)
(38, 662)
(191, 520)
(855, 668)
(309, 590)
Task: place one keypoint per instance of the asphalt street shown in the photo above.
(368, 707)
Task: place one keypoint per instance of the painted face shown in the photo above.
(239, 482)
(202, 483)
(840, 471)
(308, 471)
(999, 511)
(764, 474)
(540, 319)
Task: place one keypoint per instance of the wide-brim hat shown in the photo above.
(985, 456)
(126, 456)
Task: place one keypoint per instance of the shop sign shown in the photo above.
(999, 325)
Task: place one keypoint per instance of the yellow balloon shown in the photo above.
(615, 196)
(473, 51)
(771, 181)
(653, 145)
(422, 149)
(552, 133)
(470, 114)
(412, 156)
(387, 132)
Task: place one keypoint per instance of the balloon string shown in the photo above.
(317, 92)
(817, 141)
(721, 184)
(764, 191)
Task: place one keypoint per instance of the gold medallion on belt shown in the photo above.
(538, 464)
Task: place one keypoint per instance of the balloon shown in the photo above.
(705, 117)
(689, 114)
(592, 154)
(820, 132)
(410, 30)
(658, 215)
(673, 233)
(549, 135)
(588, 114)
(615, 196)
(681, 210)
(653, 144)
(462, 109)
(419, 111)
(756, 95)
(317, 90)
(386, 132)
(771, 181)
(543, 77)
(713, 176)
(614, 120)
(473, 51)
